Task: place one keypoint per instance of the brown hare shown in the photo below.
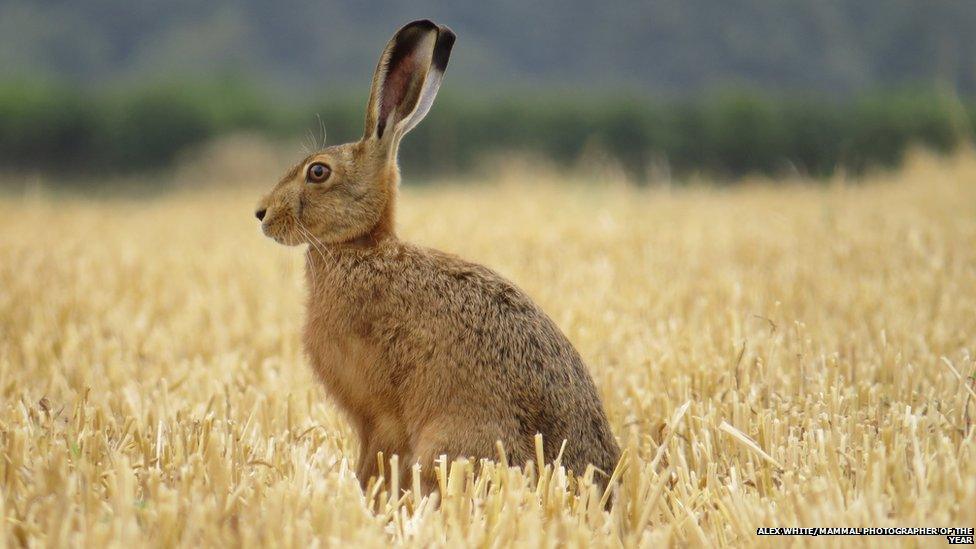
(428, 354)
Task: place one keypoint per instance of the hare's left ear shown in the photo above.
(406, 80)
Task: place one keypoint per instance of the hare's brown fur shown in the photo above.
(428, 354)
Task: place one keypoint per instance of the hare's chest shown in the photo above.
(345, 364)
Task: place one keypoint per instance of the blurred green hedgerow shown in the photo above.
(723, 134)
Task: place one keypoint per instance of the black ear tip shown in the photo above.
(446, 36)
(425, 24)
(442, 48)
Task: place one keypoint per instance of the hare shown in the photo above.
(427, 354)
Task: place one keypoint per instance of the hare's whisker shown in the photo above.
(322, 129)
(318, 244)
(308, 252)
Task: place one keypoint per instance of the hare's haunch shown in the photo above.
(428, 354)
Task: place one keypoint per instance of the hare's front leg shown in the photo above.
(386, 437)
(367, 467)
(454, 438)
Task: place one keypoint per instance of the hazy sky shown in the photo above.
(665, 46)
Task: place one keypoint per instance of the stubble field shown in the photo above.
(770, 355)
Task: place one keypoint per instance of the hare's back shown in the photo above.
(482, 347)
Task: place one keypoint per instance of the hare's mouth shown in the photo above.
(274, 232)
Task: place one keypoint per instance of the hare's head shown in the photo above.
(346, 193)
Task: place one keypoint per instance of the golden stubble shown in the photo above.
(773, 354)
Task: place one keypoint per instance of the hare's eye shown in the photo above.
(318, 173)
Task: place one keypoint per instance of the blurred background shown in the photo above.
(663, 89)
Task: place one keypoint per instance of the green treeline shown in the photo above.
(48, 128)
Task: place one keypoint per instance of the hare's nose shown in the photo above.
(260, 214)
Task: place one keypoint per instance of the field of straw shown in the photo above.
(770, 355)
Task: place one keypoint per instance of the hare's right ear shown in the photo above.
(406, 81)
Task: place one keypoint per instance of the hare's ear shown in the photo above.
(406, 80)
